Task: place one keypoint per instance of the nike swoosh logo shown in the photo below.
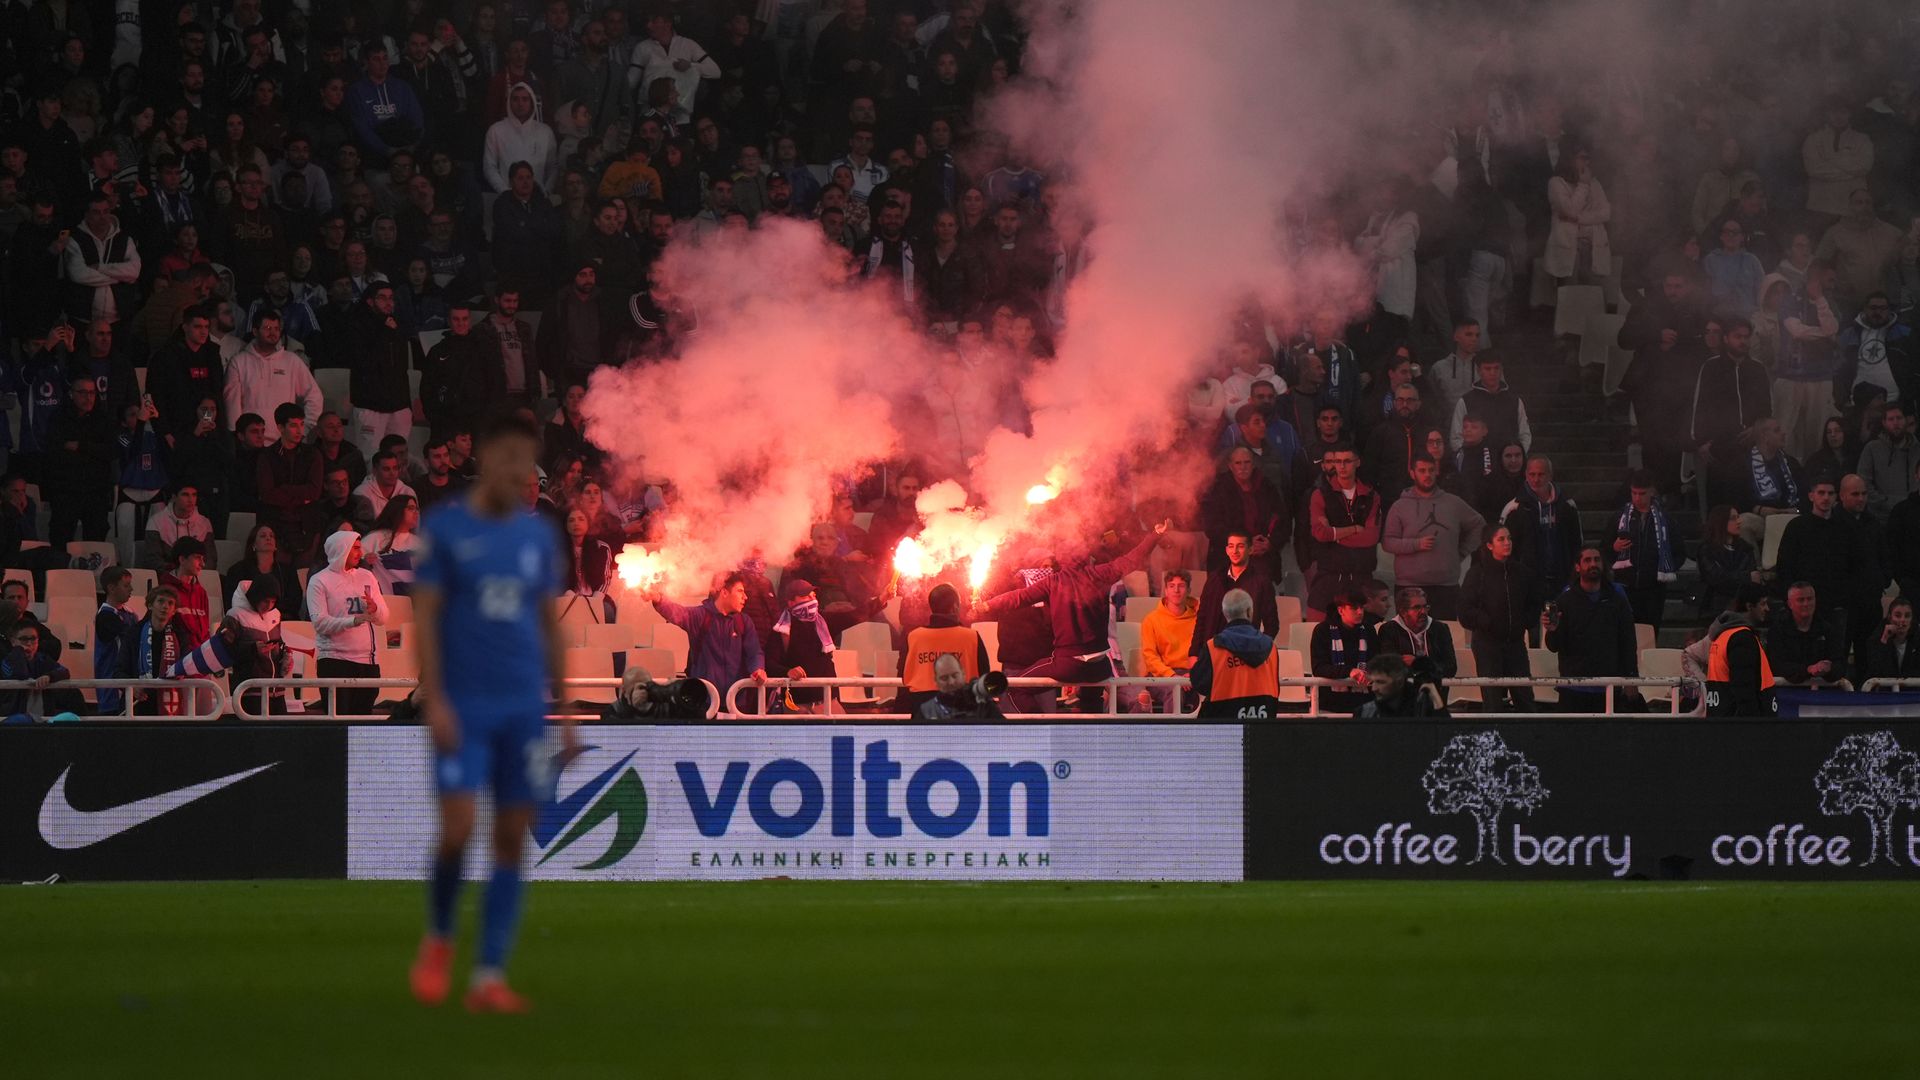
(65, 828)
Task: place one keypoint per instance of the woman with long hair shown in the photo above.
(237, 148)
(1836, 456)
(1498, 602)
(176, 136)
(589, 559)
(1726, 560)
(261, 557)
(132, 138)
(679, 181)
(389, 547)
(976, 219)
(1577, 248)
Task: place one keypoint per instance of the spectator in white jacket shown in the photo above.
(521, 136)
(668, 55)
(1387, 246)
(347, 610)
(383, 483)
(264, 376)
(1837, 159)
(1578, 251)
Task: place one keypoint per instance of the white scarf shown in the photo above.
(878, 250)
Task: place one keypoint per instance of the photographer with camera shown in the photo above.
(960, 698)
(1399, 693)
(641, 698)
(943, 636)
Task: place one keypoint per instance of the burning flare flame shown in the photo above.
(640, 570)
(909, 559)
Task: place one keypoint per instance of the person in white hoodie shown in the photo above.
(347, 610)
(521, 136)
(265, 375)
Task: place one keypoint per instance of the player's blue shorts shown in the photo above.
(508, 755)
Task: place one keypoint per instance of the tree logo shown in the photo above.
(1868, 774)
(1479, 774)
(616, 793)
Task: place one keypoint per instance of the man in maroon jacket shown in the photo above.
(1079, 609)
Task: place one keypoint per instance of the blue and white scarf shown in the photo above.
(1337, 644)
(806, 612)
(1768, 491)
(1666, 570)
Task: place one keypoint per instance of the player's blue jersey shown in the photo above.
(494, 576)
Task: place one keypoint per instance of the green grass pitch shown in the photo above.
(788, 979)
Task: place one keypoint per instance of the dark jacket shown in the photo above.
(1793, 650)
(800, 648)
(458, 382)
(558, 328)
(1878, 661)
(1595, 635)
(1501, 408)
(1392, 446)
(289, 489)
(588, 569)
(1903, 544)
(1545, 536)
(1411, 703)
(1829, 553)
(1076, 599)
(1723, 570)
(1437, 662)
(1223, 511)
(380, 360)
(486, 337)
(179, 378)
(535, 234)
(1724, 382)
(1500, 599)
(1336, 649)
(1660, 381)
(1357, 553)
(90, 465)
(1208, 619)
(16, 664)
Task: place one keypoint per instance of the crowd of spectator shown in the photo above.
(206, 207)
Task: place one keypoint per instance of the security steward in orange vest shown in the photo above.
(942, 636)
(1739, 678)
(1236, 672)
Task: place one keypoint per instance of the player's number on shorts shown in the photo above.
(500, 599)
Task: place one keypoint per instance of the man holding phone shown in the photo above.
(185, 373)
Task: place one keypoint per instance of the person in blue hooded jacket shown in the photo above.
(379, 105)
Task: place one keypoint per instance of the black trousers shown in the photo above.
(356, 702)
(89, 510)
(1649, 603)
(1503, 660)
(1443, 601)
(1067, 670)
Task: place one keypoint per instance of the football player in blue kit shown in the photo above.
(488, 650)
